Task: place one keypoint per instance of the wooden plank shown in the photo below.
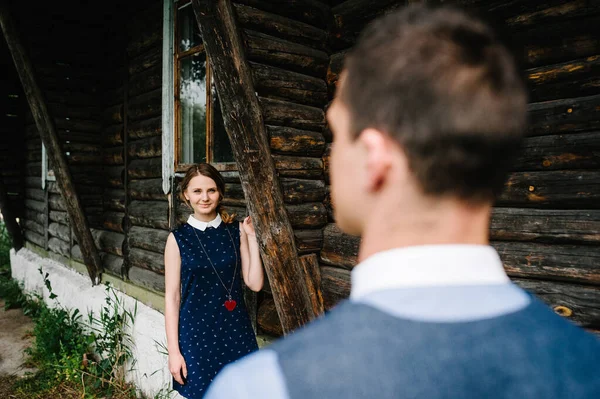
(312, 12)
(146, 189)
(296, 191)
(546, 225)
(145, 148)
(307, 216)
(47, 130)
(145, 128)
(145, 168)
(147, 278)
(154, 214)
(339, 249)
(147, 238)
(146, 260)
(267, 318)
(335, 283)
(312, 281)
(580, 189)
(249, 141)
(145, 106)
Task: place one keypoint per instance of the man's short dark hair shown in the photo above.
(441, 84)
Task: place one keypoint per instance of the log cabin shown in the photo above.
(104, 105)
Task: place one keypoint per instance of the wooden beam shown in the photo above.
(46, 128)
(10, 219)
(249, 140)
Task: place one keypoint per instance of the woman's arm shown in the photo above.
(172, 300)
(252, 268)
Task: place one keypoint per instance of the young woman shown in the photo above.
(205, 260)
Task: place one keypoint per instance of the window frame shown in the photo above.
(177, 58)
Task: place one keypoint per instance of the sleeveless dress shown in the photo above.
(210, 336)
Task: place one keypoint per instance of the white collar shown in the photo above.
(428, 266)
(200, 225)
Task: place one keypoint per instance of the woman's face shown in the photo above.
(203, 196)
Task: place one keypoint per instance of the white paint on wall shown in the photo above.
(150, 372)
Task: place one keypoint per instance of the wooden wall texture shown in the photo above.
(102, 77)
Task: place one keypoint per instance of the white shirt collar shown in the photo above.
(200, 225)
(428, 266)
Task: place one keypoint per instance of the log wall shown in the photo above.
(545, 224)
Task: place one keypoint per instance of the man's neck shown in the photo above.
(448, 222)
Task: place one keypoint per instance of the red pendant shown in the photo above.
(230, 304)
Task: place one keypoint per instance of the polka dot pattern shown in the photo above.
(210, 336)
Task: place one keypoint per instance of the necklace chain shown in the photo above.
(213, 266)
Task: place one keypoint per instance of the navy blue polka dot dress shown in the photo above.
(210, 336)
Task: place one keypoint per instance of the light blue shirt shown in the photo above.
(444, 283)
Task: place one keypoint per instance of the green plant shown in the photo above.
(5, 246)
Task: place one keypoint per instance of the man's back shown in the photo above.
(361, 352)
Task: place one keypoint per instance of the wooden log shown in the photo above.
(47, 131)
(35, 238)
(59, 217)
(562, 116)
(148, 80)
(301, 167)
(113, 176)
(145, 128)
(546, 226)
(113, 135)
(113, 156)
(312, 12)
(580, 304)
(145, 42)
(60, 231)
(37, 206)
(307, 216)
(113, 221)
(285, 85)
(335, 283)
(146, 189)
(146, 260)
(59, 246)
(33, 168)
(147, 278)
(145, 106)
(82, 128)
(339, 249)
(37, 217)
(564, 151)
(114, 114)
(569, 79)
(326, 158)
(552, 188)
(149, 239)
(114, 200)
(270, 50)
(296, 191)
(154, 214)
(577, 263)
(35, 194)
(267, 318)
(57, 202)
(234, 191)
(146, 60)
(34, 226)
(308, 240)
(145, 148)
(284, 113)
(247, 134)
(113, 264)
(560, 42)
(287, 140)
(145, 168)
(280, 26)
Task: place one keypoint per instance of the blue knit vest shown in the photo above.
(360, 352)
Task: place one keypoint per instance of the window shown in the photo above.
(199, 131)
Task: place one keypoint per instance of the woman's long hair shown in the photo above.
(207, 170)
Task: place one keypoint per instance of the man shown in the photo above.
(428, 111)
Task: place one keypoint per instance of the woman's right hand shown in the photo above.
(177, 367)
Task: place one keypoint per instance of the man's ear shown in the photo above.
(378, 157)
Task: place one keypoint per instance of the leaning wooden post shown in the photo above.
(246, 130)
(10, 220)
(45, 125)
